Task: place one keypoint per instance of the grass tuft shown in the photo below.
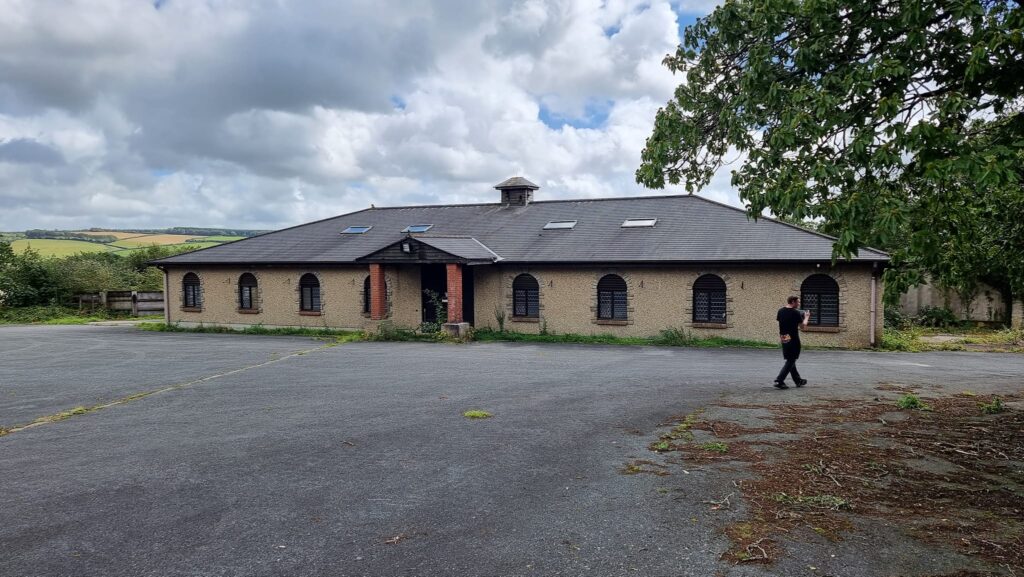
(993, 408)
(911, 402)
(476, 414)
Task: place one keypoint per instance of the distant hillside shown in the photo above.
(119, 241)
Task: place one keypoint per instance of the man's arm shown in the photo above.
(807, 318)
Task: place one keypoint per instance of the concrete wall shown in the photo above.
(987, 306)
(659, 298)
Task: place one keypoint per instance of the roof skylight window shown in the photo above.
(638, 222)
(356, 229)
(417, 228)
(560, 224)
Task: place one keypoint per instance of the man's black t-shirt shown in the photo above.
(789, 322)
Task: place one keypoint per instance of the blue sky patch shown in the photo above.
(595, 115)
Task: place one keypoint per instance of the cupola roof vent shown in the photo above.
(516, 191)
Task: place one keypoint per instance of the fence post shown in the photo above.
(135, 303)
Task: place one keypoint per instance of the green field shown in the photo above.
(126, 244)
(216, 238)
(52, 247)
(191, 245)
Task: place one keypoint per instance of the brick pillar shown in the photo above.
(454, 293)
(378, 293)
(1017, 314)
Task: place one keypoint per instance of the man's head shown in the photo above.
(793, 302)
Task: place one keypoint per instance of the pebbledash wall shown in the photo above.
(659, 298)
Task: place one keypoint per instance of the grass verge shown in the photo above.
(672, 338)
(54, 315)
(339, 335)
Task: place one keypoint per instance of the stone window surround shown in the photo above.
(257, 307)
(630, 298)
(200, 295)
(840, 279)
(730, 313)
(298, 294)
(507, 281)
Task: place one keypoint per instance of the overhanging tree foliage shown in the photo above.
(896, 122)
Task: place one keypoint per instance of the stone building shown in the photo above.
(621, 266)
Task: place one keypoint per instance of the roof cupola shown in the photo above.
(516, 191)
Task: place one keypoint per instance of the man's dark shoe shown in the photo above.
(781, 385)
(801, 382)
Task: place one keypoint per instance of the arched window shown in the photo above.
(309, 291)
(247, 291)
(819, 295)
(525, 297)
(366, 294)
(193, 294)
(611, 298)
(709, 299)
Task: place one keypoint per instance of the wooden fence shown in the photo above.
(138, 303)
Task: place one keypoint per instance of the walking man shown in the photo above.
(790, 322)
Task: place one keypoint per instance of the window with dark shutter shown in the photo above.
(709, 299)
(819, 295)
(191, 288)
(611, 298)
(309, 290)
(366, 295)
(525, 297)
(247, 291)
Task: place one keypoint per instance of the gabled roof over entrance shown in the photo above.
(422, 249)
(686, 229)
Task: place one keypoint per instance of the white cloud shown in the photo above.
(269, 113)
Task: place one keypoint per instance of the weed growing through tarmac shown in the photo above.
(911, 402)
(993, 408)
(477, 414)
(949, 477)
(715, 447)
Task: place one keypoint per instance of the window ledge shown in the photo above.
(613, 322)
(525, 319)
(819, 329)
(709, 325)
(191, 309)
(310, 313)
(248, 311)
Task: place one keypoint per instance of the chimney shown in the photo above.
(516, 191)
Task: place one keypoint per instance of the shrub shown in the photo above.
(895, 319)
(937, 317)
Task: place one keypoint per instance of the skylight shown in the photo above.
(557, 224)
(638, 222)
(417, 228)
(356, 229)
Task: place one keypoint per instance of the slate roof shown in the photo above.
(690, 229)
(462, 246)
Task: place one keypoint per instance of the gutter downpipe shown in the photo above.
(874, 291)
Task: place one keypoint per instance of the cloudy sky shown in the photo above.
(268, 113)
